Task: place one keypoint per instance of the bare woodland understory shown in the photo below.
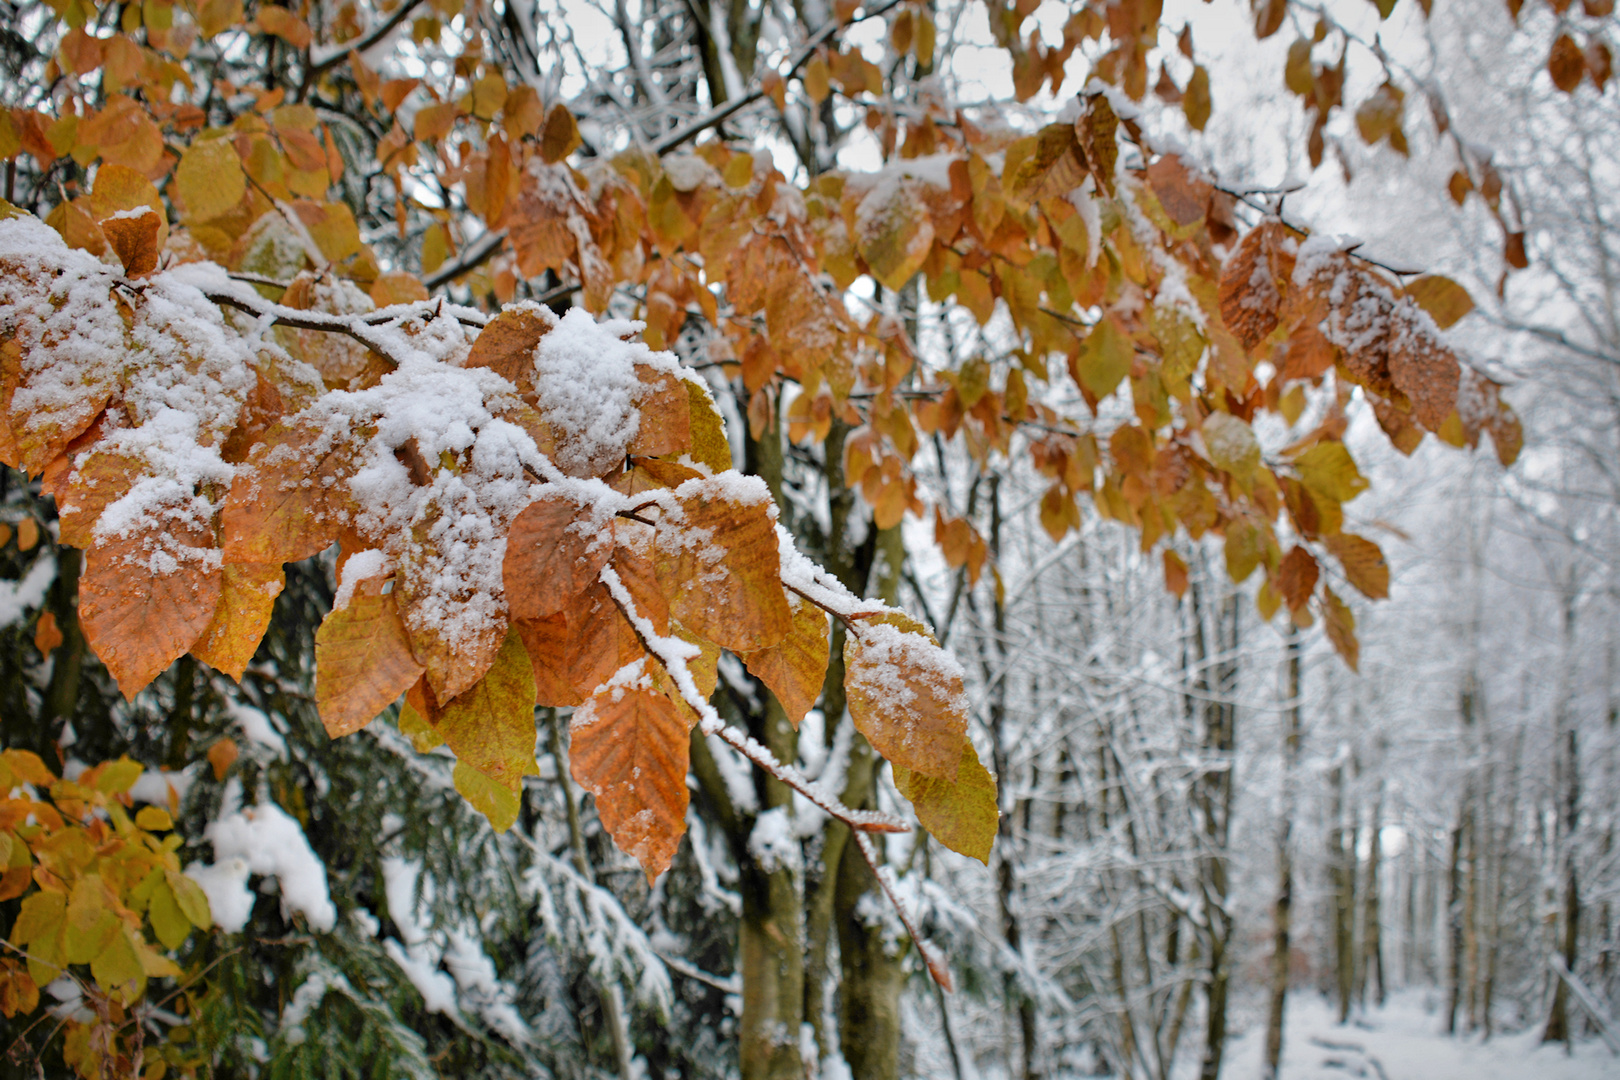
(684, 539)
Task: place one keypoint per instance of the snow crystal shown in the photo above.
(157, 786)
(263, 839)
(256, 727)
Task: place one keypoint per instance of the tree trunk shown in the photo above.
(1341, 856)
(1282, 908)
(1567, 781)
(1372, 911)
(1215, 801)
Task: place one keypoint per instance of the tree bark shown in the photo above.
(1215, 800)
(1282, 907)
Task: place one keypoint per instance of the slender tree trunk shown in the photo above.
(1283, 906)
(1215, 798)
(1462, 845)
(1567, 781)
(1372, 910)
(1341, 856)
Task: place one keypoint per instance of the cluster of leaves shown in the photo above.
(95, 880)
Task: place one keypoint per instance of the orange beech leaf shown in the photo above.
(629, 749)
(123, 190)
(47, 635)
(666, 424)
(553, 553)
(145, 598)
(1252, 281)
(1426, 371)
(718, 563)
(795, 667)
(1175, 573)
(1363, 563)
(506, 346)
(1444, 299)
(1048, 164)
(1340, 623)
(905, 694)
(222, 754)
(895, 230)
(456, 651)
(285, 25)
(600, 639)
(363, 658)
(961, 812)
(1296, 577)
(1184, 196)
(490, 727)
(284, 507)
(133, 236)
(637, 575)
(100, 480)
(247, 597)
(546, 641)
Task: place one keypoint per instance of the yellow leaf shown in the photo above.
(894, 230)
(490, 727)
(118, 969)
(1231, 444)
(154, 819)
(709, 443)
(190, 898)
(117, 777)
(1195, 101)
(363, 658)
(209, 180)
(496, 801)
(247, 598)
(961, 813)
(169, 923)
(906, 695)
(1327, 469)
(1105, 359)
(1444, 299)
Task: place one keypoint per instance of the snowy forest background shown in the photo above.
(1447, 815)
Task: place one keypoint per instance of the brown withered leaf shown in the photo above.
(1175, 573)
(146, 597)
(363, 658)
(47, 635)
(546, 641)
(1296, 577)
(553, 553)
(795, 667)
(906, 695)
(247, 597)
(1566, 64)
(1252, 281)
(1363, 563)
(629, 749)
(718, 563)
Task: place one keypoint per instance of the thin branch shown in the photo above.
(387, 27)
(479, 252)
(730, 108)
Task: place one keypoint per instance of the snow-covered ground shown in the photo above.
(1405, 1041)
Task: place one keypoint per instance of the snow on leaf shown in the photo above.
(600, 639)
(290, 501)
(1251, 283)
(1231, 444)
(506, 345)
(905, 694)
(795, 667)
(961, 813)
(363, 658)
(893, 229)
(490, 727)
(553, 553)
(247, 598)
(717, 560)
(629, 749)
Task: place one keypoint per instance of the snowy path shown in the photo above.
(1403, 1042)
